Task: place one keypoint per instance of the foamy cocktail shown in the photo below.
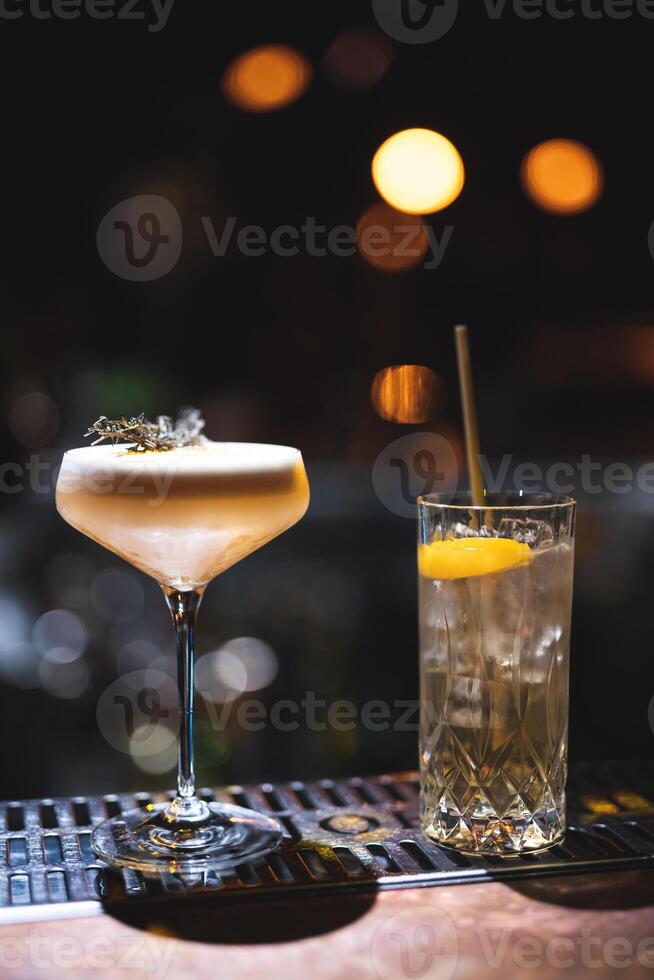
(185, 515)
(183, 511)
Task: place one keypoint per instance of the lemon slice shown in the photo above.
(468, 557)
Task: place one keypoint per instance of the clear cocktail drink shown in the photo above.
(494, 639)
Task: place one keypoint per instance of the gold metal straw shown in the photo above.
(469, 414)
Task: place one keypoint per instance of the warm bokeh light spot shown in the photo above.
(562, 176)
(632, 353)
(634, 802)
(418, 171)
(599, 804)
(407, 393)
(358, 58)
(267, 78)
(391, 240)
(34, 419)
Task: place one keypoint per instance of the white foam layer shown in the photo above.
(212, 457)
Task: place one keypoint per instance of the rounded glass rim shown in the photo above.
(501, 500)
(125, 446)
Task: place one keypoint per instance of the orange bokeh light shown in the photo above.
(562, 176)
(267, 78)
(406, 393)
(391, 240)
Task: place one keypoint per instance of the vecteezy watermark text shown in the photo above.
(567, 9)
(423, 941)
(140, 239)
(135, 717)
(318, 240)
(41, 476)
(424, 463)
(561, 477)
(35, 949)
(425, 21)
(153, 12)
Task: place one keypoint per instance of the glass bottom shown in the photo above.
(218, 835)
(482, 831)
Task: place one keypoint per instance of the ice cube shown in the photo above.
(461, 530)
(526, 530)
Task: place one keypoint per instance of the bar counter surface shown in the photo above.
(598, 924)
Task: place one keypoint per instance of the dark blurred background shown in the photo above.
(286, 349)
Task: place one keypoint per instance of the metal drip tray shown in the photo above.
(353, 834)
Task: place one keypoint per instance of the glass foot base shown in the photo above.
(484, 832)
(150, 840)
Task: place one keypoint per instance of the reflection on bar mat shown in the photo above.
(351, 834)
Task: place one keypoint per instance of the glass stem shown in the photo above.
(184, 607)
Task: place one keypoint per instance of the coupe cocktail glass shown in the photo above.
(184, 516)
(495, 604)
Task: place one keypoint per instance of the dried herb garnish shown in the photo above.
(146, 436)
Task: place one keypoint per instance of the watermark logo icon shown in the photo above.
(650, 239)
(417, 942)
(134, 716)
(415, 21)
(140, 239)
(411, 467)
